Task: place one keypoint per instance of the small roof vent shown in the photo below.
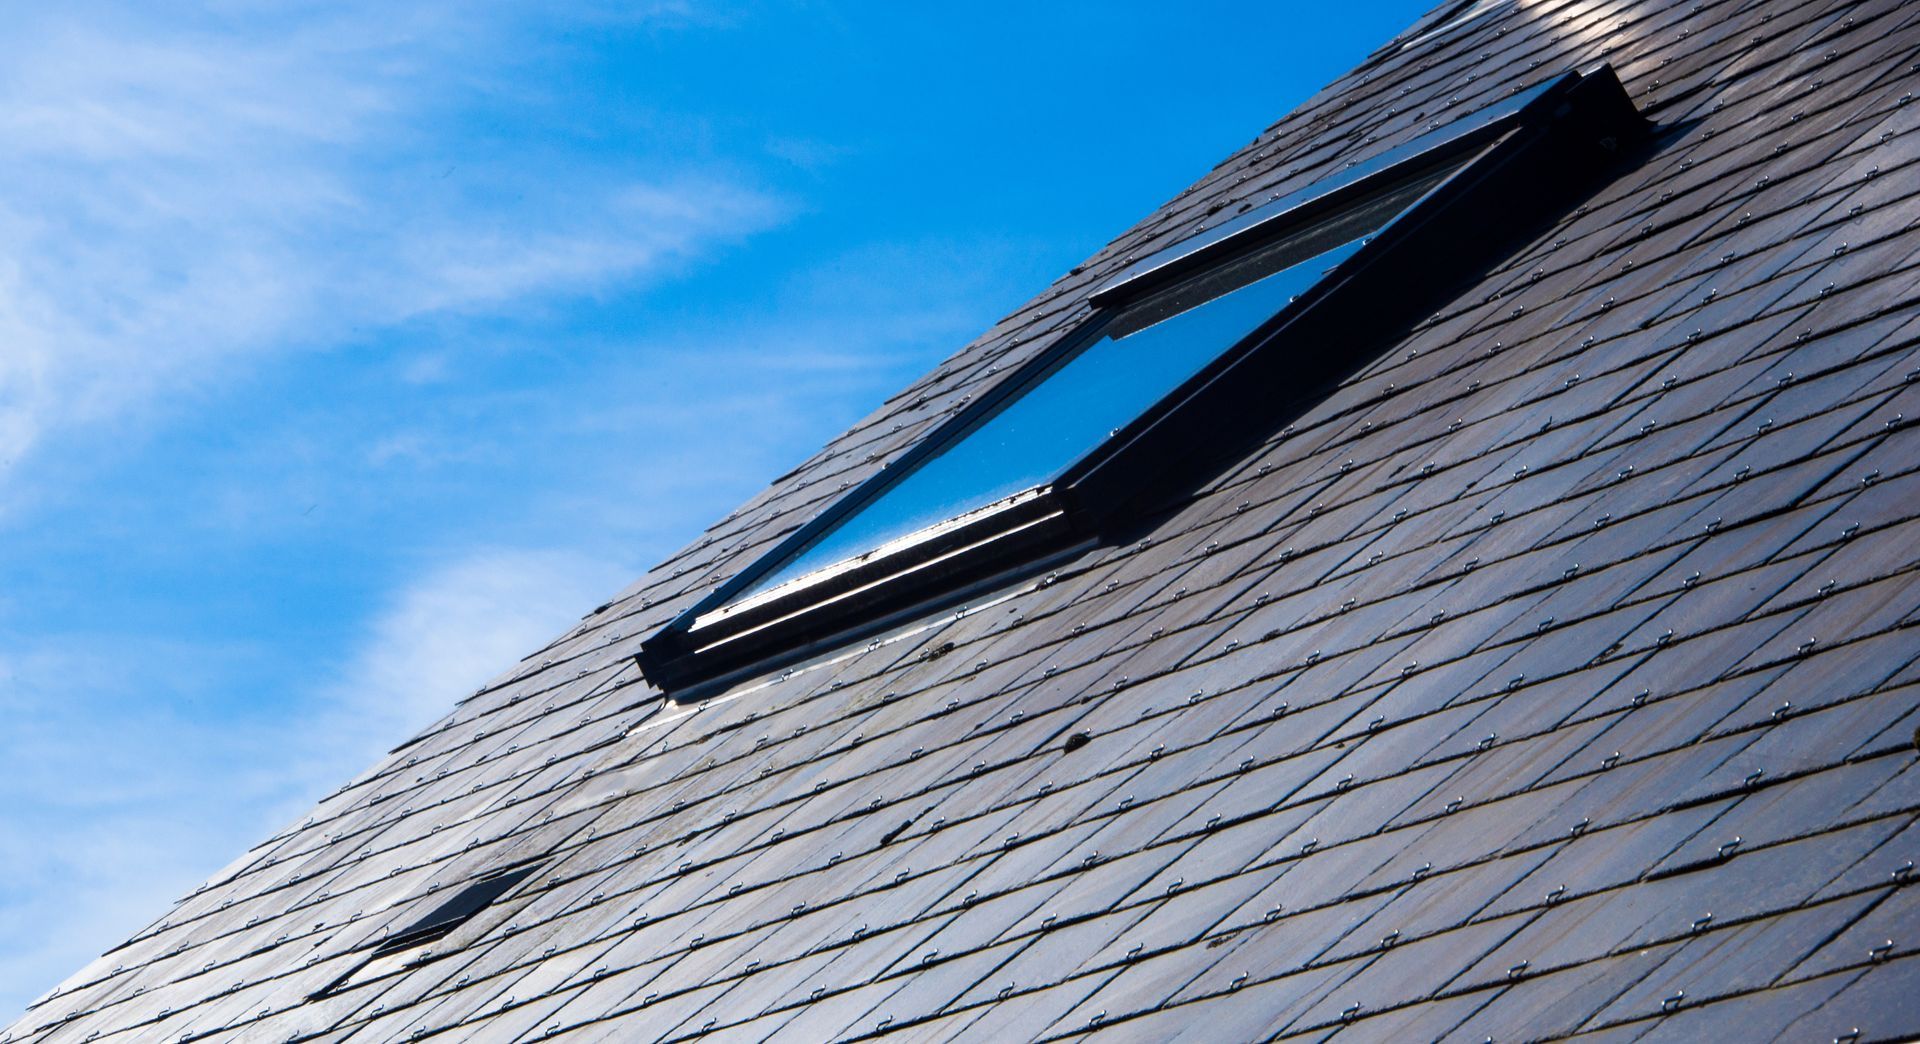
(404, 948)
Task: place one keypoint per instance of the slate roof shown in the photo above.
(1558, 674)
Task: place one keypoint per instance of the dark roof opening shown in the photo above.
(390, 952)
(456, 911)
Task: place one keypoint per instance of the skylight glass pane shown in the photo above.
(1060, 417)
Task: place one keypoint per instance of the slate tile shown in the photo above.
(1556, 1003)
(1877, 1003)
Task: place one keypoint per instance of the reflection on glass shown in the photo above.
(1059, 417)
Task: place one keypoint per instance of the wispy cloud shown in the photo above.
(106, 792)
(114, 763)
(455, 627)
(185, 202)
(182, 197)
(135, 772)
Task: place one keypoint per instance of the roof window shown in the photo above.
(1188, 356)
(1058, 415)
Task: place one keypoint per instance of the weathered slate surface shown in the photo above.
(1558, 674)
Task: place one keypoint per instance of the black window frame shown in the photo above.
(1517, 169)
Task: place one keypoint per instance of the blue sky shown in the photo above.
(353, 350)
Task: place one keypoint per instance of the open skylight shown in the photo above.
(1060, 414)
(1187, 354)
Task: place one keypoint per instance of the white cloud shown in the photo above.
(183, 202)
(107, 791)
(455, 628)
(180, 203)
(183, 198)
(129, 781)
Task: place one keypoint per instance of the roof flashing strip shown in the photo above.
(1505, 169)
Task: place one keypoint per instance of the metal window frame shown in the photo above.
(1523, 167)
